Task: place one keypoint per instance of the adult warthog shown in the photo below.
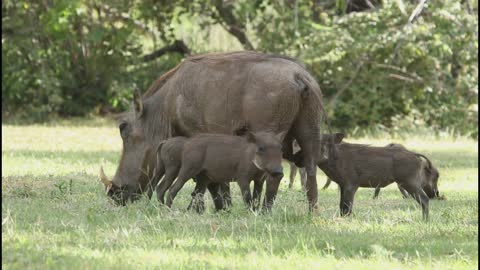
(215, 93)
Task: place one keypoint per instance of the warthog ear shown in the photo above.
(338, 137)
(428, 170)
(281, 135)
(158, 151)
(137, 103)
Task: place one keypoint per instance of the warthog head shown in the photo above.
(430, 174)
(137, 163)
(326, 151)
(430, 184)
(268, 155)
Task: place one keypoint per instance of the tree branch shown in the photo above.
(369, 4)
(412, 75)
(178, 46)
(469, 6)
(401, 6)
(416, 12)
(232, 25)
(400, 77)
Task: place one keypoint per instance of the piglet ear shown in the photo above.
(338, 137)
(250, 137)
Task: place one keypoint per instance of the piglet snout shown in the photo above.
(277, 172)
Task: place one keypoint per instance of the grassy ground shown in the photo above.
(56, 216)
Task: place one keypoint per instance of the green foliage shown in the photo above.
(71, 59)
(82, 56)
(375, 70)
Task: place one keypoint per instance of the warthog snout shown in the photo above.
(432, 193)
(277, 172)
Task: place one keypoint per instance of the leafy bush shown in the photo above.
(374, 69)
(77, 57)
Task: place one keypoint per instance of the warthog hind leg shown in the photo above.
(167, 181)
(216, 192)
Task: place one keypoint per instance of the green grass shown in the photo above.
(56, 216)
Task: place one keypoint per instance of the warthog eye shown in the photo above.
(261, 149)
(123, 130)
(123, 126)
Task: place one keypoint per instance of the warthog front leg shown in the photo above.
(414, 189)
(244, 184)
(271, 192)
(347, 194)
(403, 191)
(226, 195)
(257, 190)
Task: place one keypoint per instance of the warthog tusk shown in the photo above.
(104, 178)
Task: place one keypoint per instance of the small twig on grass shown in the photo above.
(400, 77)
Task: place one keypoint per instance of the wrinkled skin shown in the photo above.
(216, 93)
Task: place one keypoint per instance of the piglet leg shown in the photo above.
(271, 192)
(346, 199)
